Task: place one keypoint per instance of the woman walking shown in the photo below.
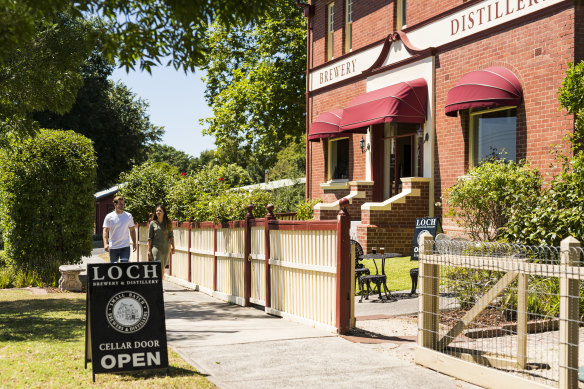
(160, 237)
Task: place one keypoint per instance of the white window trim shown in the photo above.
(348, 26)
(330, 25)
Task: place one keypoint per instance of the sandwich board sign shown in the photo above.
(429, 224)
(125, 328)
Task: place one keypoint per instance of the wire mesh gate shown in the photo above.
(502, 315)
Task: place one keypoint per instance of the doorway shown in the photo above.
(402, 155)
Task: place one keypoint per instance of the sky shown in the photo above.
(176, 103)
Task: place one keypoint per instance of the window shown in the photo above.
(493, 134)
(338, 159)
(349, 26)
(330, 31)
(401, 14)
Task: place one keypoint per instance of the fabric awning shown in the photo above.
(326, 125)
(488, 88)
(405, 102)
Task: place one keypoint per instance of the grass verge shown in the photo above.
(42, 344)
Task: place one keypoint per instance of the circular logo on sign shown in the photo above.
(420, 236)
(127, 312)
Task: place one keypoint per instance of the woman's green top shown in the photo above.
(160, 236)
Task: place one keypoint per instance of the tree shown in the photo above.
(43, 72)
(164, 153)
(255, 85)
(46, 200)
(140, 32)
(112, 116)
(290, 161)
(146, 186)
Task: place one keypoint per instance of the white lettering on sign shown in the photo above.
(135, 359)
(148, 271)
(425, 222)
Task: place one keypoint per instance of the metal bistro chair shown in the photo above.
(380, 280)
(360, 269)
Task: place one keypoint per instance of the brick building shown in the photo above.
(404, 96)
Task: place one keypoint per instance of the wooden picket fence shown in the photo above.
(296, 269)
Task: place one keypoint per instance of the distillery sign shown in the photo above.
(477, 17)
(125, 328)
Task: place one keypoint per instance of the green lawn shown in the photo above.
(397, 271)
(42, 345)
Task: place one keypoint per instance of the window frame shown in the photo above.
(348, 26)
(332, 158)
(401, 15)
(472, 135)
(330, 31)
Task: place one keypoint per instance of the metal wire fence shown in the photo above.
(512, 312)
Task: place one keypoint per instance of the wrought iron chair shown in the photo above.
(379, 279)
(360, 269)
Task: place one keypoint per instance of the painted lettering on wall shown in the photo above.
(485, 14)
(334, 72)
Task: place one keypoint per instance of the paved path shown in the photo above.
(245, 348)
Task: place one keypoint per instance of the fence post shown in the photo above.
(247, 256)
(343, 297)
(138, 242)
(522, 296)
(268, 286)
(215, 256)
(189, 230)
(569, 310)
(428, 309)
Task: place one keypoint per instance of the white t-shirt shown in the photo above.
(119, 229)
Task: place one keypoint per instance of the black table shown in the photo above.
(379, 279)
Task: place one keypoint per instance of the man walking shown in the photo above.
(115, 226)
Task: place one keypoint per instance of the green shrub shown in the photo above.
(287, 199)
(483, 201)
(305, 210)
(11, 277)
(46, 200)
(558, 211)
(189, 190)
(146, 186)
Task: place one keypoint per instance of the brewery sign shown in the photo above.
(429, 224)
(125, 328)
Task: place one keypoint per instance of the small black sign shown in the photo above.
(430, 224)
(125, 317)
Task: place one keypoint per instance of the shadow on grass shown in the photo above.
(41, 319)
(173, 371)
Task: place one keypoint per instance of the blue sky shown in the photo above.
(176, 103)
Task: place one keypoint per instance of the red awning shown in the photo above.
(326, 125)
(488, 88)
(405, 102)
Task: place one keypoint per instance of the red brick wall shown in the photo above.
(538, 53)
(372, 21)
(393, 229)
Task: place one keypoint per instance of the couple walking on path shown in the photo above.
(116, 239)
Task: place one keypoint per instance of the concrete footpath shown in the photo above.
(239, 347)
